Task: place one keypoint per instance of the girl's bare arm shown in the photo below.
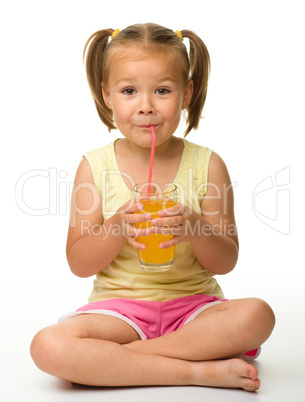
(91, 243)
(211, 233)
(217, 247)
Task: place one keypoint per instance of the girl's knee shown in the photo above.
(262, 311)
(46, 349)
(260, 316)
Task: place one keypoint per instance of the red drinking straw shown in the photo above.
(152, 154)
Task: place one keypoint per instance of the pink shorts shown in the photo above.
(149, 318)
(153, 319)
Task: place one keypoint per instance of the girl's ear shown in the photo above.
(106, 96)
(188, 93)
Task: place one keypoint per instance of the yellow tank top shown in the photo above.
(124, 278)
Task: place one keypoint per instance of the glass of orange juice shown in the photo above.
(162, 195)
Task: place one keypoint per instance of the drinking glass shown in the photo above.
(162, 195)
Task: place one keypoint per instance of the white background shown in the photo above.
(254, 118)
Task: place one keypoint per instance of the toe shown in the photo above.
(246, 369)
(252, 372)
(250, 385)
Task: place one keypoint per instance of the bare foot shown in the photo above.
(233, 373)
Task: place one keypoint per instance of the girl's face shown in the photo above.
(145, 89)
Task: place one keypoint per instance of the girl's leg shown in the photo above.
(222, 331)
(81, 350)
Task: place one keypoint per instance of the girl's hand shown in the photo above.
(180, 221)
(131, 214)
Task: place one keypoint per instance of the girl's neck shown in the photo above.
(163, 151)
(135, 161)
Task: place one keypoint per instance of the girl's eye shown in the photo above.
(129, 91)
(162, 91)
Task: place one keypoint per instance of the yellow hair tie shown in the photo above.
(178, 33)
(115, 32)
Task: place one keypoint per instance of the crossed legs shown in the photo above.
(104, 351)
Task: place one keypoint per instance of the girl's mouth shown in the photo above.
(147, 127)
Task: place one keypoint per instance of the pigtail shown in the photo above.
(200, 69)
(94, 53)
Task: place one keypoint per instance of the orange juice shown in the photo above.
(153, 257)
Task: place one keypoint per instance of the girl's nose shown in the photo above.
(146, 106)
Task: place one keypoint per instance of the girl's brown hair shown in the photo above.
(195, 66)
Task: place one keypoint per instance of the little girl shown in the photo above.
(162, 328)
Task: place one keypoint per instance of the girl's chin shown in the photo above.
(143, 141)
